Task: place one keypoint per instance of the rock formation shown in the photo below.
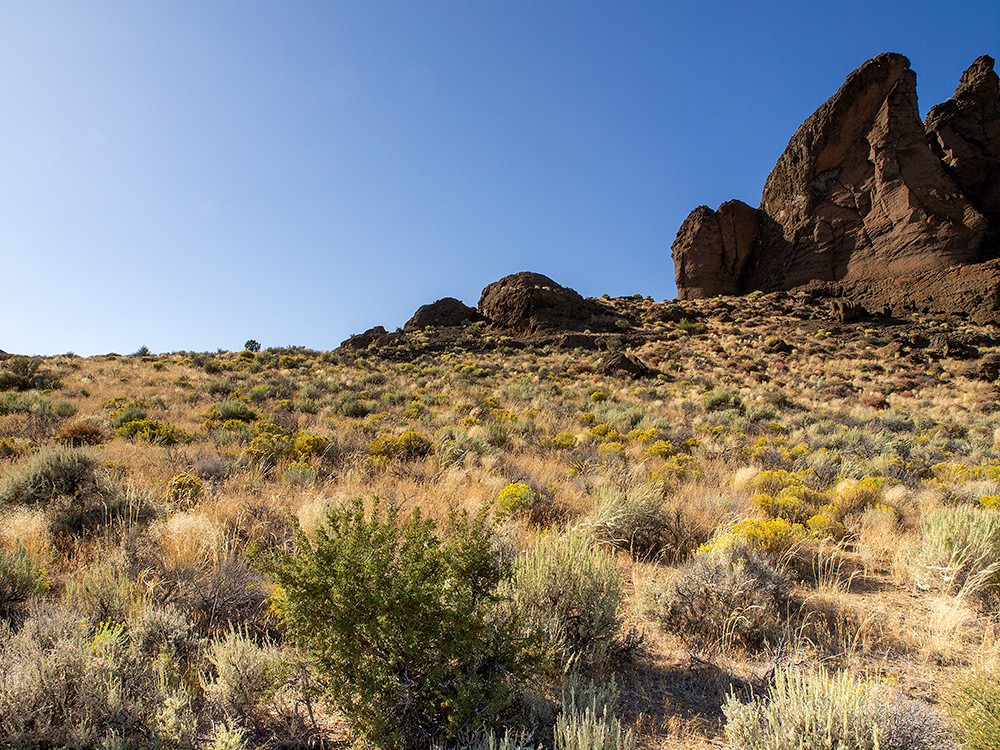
(530, 302)
(441, 314)
(864, 195)
(964, 132)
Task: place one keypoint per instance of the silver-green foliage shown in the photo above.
(587, 721)
(243, 677)
(820, 710)
(961, 547)
(567, 592)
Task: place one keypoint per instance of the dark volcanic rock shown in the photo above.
(868, 198)
(712, 250)
(989, 368)
(442, 314)
(616, 363)
(859, 195)
(964, 132)
(846, 311)
(377, 335)
(531, 302)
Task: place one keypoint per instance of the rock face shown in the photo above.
(441, 314)
(864, 193)
(964, 133)
(530, 302)
(725, 239)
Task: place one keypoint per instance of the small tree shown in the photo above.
(402, 625)
(252, 345)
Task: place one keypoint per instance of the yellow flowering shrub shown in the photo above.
(184, 488)
(661, 448)
(515, 498)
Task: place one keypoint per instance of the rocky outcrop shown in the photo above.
(863, 196)
(530, 302)
(442, 314)
(359, 341)
(619, 363)
(964, 133)
(724, 240)
(970, 292)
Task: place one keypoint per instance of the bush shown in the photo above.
(20, 579)
(64, 685)
(81, 433)
(158, 433)
(225, 411)
(568, 593)
(823, 711)
(515, 499)
(129, 413)
(975, 707)
(408, 446)
(587, 722)
(183, 489)
(732, 596)
(50, 473)
(243, 677)
(638, 523)
(403, 626)
(961, 547)
(26, 373)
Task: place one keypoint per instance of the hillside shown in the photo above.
(691, 499)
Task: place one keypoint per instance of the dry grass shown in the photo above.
(856, 605)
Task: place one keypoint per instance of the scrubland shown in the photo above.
(791, 535)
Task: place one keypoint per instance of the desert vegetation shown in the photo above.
(790, 534)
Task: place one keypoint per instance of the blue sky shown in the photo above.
(188, 175)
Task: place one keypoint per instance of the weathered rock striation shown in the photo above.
(864, 196)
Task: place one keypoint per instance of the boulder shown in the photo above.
(847, 311)
(530, 302)
(374, 335)
(443, 313)
(989, 368)
(617, 363)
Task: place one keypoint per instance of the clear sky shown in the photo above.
(188, 175)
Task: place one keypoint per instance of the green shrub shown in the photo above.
(243, 677)
(587, 722)
(22, 373)
(975, 708)
(721, 399)
(20, 579)
(158, 433)
(408, 446)
(568, 593)
(823, 711)
(299, 473)
(50, 473)
(732, 596)
(960, 547)
(268, 446)
(403, 626)
(225, 411)
(132, 412)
